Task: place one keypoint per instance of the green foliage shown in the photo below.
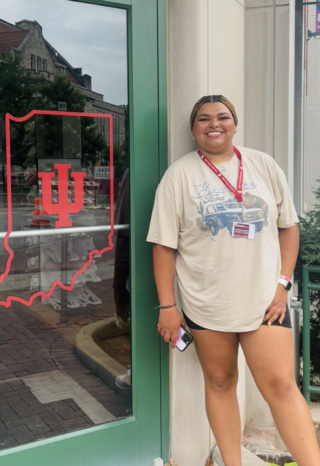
(60, 90)
(310, 236)
(121, 160)
(20, 93)
(121, 154)
(309, 254)
(16, 98)
(16, 89)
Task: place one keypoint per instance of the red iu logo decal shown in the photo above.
(63, 207)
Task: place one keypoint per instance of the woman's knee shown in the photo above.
(221, 381)
(280, 386)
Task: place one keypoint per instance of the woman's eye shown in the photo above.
(203, 119)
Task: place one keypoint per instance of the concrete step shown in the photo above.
(248, 458)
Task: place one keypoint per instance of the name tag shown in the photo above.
(243, 230)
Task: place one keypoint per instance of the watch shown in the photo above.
(286, 283)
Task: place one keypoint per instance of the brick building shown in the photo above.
(26, 43)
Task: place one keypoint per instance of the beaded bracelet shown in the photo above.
(166, 306)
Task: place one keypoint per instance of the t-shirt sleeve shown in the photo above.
(287, 215)
(165, 219)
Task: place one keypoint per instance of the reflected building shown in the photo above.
(25, 42)
(55, 163)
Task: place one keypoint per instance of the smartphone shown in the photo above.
(184, 339)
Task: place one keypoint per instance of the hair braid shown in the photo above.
(213, 98)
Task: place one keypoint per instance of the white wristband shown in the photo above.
(283, 282)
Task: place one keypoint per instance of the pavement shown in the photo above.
(45, 390)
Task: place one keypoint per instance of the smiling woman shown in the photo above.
(233, 266)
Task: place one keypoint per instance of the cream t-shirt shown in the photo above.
(226, 283)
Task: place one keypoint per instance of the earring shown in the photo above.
(235, 130)
(193, 136)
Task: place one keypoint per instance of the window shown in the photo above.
(56, 140)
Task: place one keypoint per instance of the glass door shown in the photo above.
(79, 357)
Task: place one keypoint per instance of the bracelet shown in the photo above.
(285, 278)
(166, 306)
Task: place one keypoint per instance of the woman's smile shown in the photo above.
(214, 134)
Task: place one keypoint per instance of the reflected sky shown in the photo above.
(92, 37)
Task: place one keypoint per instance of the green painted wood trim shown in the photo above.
(117, 4)
(90, 447)
(144, 170)
(163, 165)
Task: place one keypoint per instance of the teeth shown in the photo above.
(214, 133)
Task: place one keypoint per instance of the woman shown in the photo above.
(224, 224)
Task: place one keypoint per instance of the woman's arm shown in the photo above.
(289, 247)
(164, 274)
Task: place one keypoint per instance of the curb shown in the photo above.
(95, 359)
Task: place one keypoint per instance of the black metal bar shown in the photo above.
(311, 3)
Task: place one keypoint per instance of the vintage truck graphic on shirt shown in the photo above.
(216, 217)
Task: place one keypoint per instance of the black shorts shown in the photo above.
(286, 323)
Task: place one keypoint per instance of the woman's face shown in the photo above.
(214, 128)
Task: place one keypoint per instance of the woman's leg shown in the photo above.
(269, 354)
(218, 353)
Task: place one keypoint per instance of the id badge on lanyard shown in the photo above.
(239, 230)
(243, 230)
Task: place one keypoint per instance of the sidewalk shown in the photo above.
(44, 389)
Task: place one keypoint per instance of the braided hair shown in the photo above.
(213, 98)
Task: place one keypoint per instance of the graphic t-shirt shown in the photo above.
(225, 282)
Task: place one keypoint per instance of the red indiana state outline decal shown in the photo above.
(63, 220)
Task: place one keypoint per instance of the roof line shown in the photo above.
(67, 64)
(12, 25)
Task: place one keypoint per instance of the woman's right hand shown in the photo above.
(169, 323)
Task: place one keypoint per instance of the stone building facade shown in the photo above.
(25, 41)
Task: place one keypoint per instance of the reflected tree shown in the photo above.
(121, 154)
(20, 93)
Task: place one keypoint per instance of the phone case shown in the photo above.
(184, 339)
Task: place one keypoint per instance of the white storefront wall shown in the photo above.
(243, 49)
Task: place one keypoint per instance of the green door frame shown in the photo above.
(139, 439)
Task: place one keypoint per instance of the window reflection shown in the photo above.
(64, 349)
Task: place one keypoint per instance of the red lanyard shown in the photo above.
(237, 192)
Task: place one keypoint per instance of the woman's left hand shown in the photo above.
(277, 307)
